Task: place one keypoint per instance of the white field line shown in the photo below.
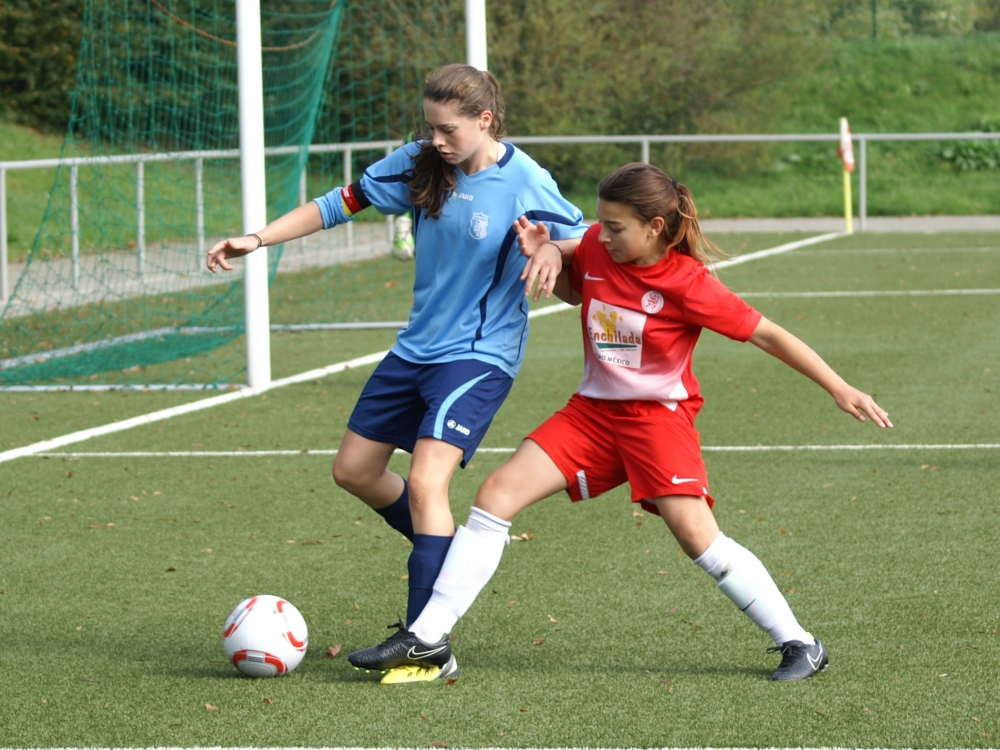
(887, 293)
(217, 747)
(778, 250)
(898, 250)
(159, 416)
(398, 451)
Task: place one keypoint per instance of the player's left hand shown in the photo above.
(544, 259)
(859, 404)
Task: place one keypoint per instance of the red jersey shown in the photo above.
(642, 323)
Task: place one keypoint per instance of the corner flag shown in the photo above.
(845, 150)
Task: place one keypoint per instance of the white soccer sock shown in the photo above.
(744, 579)
(472, 560)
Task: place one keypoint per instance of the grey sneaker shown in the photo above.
(799, 660)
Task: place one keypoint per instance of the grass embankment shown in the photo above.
(907, 86)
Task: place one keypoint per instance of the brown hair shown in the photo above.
(475, 91)
(649, 192)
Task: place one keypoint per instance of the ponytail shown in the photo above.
(474, 91)
(650, 193)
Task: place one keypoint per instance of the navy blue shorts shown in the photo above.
(452, 401)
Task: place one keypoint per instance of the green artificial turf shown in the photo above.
(117, 573)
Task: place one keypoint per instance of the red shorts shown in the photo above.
(599, 444)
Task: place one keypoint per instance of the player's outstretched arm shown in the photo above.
(299, 222)
(795, 353)
(545, 264)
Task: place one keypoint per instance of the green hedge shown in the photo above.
(39, 44)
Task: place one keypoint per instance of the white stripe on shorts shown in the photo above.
(581, 479)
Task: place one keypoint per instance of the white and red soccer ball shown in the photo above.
(265, 636)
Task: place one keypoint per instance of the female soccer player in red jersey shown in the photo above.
(646, 293)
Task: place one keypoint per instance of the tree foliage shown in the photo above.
(39, 45)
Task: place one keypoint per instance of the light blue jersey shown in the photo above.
(468, 299)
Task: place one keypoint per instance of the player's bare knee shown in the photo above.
(350, 476)
(495, 496)
(424, 486)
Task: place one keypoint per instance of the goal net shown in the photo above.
(115, 291)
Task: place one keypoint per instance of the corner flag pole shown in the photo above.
(475, 33)
(252, 177)
(845, 150)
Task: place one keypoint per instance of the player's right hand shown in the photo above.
(233, 247)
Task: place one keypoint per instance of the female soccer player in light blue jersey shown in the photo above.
(436, 392)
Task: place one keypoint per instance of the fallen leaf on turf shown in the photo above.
(637, 514)
(171, 569)
(268, 701)
(819, 714)
(451, 681)
(422, 716)
(866, 709)
(404, 578)
(524, 709)
(333, 651)
(210, 707)
(207, 551)
(975, 718)
(537, 641)
(664, 572)
(512, 601)
(552, 619)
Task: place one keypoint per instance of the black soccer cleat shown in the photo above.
(402, 649)
(799, 660)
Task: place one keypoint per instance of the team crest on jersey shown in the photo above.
(652, 302)
(479, 225)
(616, 334)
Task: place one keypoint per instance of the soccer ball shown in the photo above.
(265, 636)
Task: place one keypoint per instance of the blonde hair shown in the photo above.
(474, 91)
(649, 192)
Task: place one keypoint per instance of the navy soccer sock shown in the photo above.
(424, 565)
(397, 515)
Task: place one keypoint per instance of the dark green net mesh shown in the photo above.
(115, 291)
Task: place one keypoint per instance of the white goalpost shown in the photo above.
(253, 188)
